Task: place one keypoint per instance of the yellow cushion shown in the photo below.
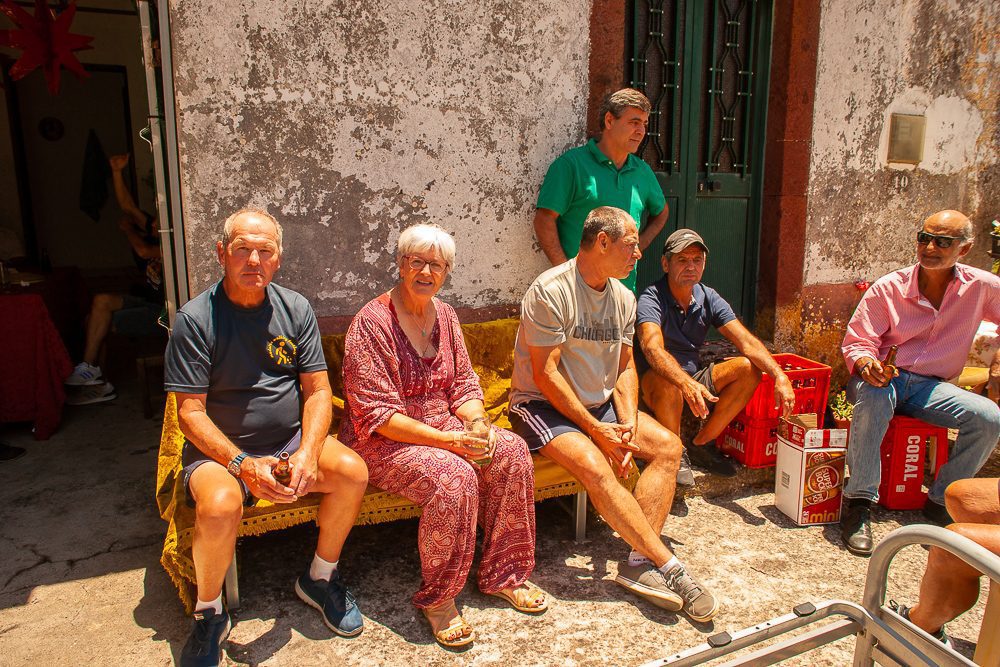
(490, 345)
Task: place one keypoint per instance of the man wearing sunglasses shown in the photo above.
(930, 311)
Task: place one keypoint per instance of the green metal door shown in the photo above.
(704, 65)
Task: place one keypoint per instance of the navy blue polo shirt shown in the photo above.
(683, 332)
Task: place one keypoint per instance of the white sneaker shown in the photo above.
(96, 393)
(85, 375)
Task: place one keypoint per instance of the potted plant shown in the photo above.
(842, 409)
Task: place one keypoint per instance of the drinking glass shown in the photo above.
(479, 430)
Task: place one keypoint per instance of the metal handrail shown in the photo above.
(960, 546)
(880, 632)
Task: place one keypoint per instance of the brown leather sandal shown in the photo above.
(522, 598)
(456, 633)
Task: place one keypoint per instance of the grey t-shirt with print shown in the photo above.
(588, 326)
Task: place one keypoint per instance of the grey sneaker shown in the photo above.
(648, 582)
(685, 476)
(699, 604)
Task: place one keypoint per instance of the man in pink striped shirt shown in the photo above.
(931, 312)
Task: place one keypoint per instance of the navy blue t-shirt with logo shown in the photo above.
(247, 361)
(683, 331)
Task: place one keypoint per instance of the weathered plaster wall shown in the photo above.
(350, 120)
(938, 58)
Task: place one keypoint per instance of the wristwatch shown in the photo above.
(234, 465)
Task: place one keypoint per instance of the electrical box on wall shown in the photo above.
(906, 138)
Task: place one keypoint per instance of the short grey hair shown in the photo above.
(227, 228)
(968, 231)
(423, 237)
(607, 219)
(617, 102)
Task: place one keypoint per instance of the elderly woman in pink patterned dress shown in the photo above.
(410, 389)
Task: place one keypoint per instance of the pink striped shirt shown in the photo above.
(931, 342)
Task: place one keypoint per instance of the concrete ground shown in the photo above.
(81, 583)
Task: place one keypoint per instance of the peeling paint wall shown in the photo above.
(350, 120)
(936, 58)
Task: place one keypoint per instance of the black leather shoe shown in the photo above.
(712, 460)
(856, 529)
(937, 513)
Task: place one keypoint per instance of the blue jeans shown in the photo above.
(977, 419)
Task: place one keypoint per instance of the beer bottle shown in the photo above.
(282, 471)
(889, 365)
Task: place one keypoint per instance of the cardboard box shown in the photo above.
(809, 479)
(801, 431)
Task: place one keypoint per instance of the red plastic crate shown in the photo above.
(752, 442)
(905, 447)
(810, 381)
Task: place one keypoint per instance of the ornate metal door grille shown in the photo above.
(704, 65)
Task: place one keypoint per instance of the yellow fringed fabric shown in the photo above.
(491, 347)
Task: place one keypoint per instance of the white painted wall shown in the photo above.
(936, 58)
(350, 120)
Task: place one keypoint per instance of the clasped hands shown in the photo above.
(257, 474)
(617, 442)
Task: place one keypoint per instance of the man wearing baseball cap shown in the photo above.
(673, 318)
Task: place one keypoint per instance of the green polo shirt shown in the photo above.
(583, 178)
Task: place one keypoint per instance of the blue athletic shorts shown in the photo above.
(538, 422)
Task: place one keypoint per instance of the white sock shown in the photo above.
(321, 569)
(671, 564)
(215, 604)
(636, 558)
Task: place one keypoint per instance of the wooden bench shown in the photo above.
(490, 346)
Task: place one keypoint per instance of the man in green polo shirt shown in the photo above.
(602, 172)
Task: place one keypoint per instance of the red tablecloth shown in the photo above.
(35, 363)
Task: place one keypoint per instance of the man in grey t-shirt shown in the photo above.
(575, 398)
(245, 361)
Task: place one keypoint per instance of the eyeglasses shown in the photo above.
(418, 264)
(940, 240)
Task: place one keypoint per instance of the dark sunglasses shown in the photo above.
(940, 240)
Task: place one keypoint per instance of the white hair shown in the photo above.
(423, 237)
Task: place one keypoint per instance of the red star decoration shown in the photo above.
(45, 41)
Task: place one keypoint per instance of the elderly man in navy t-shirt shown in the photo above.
(247, 365)
(673, 318)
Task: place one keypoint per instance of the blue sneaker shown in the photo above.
(204, 646)
(339, 608)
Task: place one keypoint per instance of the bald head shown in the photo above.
(246, 214)
(951, 223)
(944, 238)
